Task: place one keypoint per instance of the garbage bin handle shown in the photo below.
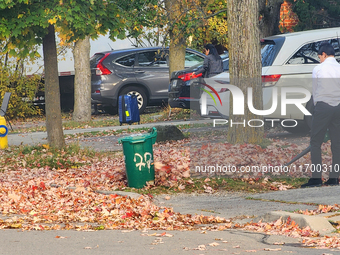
(120, 140)
(153, 131)
(137, 141)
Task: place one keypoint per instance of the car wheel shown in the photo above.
(139, 93)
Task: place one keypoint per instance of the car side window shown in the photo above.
(336, 45)
(308, 54)
(127, 60)
(268, 53)
(95, 59)
(192, 59)
(152, 58)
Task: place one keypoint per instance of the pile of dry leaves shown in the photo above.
(33, 205)
(321, 209)
(280, 227)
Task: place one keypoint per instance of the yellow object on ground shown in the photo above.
(3, 133)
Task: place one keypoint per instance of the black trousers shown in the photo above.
(325, 117)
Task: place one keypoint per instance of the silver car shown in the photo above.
(287, 62)
(140, 71)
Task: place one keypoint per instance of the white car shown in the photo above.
(287, 62)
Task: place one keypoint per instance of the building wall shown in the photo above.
(288, 19)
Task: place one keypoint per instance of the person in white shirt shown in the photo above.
(326, 116)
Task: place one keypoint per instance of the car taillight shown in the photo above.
(101, 69)
(270, 80)
(189, 76)
(223, 90)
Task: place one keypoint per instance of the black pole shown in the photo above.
(304, 152)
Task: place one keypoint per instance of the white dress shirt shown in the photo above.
(326, 82)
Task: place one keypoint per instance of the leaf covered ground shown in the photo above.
(42, 189)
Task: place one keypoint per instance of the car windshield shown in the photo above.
(224, 57)
(270, 49)
(268, 54)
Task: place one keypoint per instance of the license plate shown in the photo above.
(174, 83)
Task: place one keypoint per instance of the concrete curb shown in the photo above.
(315, 222)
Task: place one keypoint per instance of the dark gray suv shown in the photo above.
(140, 71)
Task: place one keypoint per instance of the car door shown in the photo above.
(124, 66)
(152, 71)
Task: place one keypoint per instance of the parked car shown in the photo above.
(182, 93)
(143, 72)
(287, 61)
(66, 87)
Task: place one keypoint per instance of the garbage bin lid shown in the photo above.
(139, 138)
(135, 138)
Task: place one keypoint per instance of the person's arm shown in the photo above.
(204, 68)
(314, 82)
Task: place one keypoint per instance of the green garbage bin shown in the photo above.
(138, 154)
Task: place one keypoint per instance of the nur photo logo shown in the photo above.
(280, 98)
(209, 93)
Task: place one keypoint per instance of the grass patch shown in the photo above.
(294, 182)
(107, 133)
(71, 124)
(37, 124)
(265, 143)
(219, 184)
(72, 156)
(186, 135)
(194, 125)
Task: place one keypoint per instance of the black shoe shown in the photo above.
(312, 182)
(332, 182)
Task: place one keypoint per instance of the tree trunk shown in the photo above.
(177, 41)
(269, 17)
(82, 80)
(245, 68)
(177, 53)
(55, 134)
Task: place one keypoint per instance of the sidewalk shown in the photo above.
(13, 242)
(269, 206)
(103, 143)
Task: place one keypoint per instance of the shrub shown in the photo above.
(23, 88)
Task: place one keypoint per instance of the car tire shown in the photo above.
(139, 93)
